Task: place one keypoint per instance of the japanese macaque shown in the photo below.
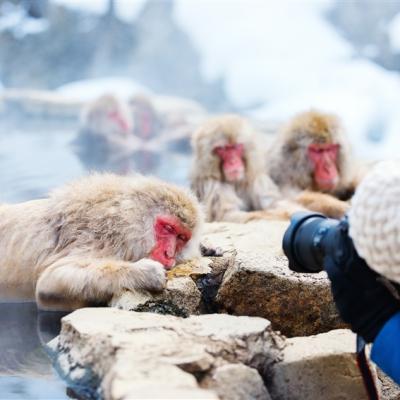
(106, 124)
(310, 162)
(94, 238)
(148, 123)
(228, 173)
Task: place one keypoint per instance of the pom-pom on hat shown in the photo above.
(374, 219)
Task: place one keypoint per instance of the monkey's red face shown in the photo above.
(117, 119)
(324, 160)
(171, 237)
(232, 161)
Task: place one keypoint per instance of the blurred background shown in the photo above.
(266, 59)
(172, 63)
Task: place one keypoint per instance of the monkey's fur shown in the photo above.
(226, 201)
(290, 168)
(90, 240)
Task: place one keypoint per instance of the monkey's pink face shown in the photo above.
(231, 157)
(324, 160)
(116, 118)
(171, 237)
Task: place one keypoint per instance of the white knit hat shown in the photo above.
(374, 219)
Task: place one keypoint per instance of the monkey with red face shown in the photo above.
(96, 238)
(228, 173)
(148, 123)
(106, 128)
(310, 161)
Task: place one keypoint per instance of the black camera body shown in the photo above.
(312, 237)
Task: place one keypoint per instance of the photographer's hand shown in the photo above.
(361, 298)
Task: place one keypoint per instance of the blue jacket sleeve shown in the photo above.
(386, 348)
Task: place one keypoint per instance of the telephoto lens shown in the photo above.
(308, 239)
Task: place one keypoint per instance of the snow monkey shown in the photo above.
(94, 238)
(311, 155)
(148, 123)
(228, 173)
(106, 123)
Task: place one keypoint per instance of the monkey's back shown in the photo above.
(25, 238)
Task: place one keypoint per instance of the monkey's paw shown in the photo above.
(339, 210)
(210, 251)
(152, 277)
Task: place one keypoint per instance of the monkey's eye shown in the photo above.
(168, 228)
(183, 238)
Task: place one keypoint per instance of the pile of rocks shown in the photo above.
(118, 354)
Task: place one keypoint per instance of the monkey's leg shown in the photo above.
(323, 203)
(74, 282)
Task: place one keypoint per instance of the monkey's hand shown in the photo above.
(323, 203)
(147, 274)
(208, 250)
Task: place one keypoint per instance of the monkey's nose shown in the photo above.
(169, 253)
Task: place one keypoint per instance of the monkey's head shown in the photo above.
(315, 149)
(225, 149)
(177, 224)
(109, 117)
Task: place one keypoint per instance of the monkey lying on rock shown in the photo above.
(95, 238)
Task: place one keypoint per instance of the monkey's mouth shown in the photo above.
(234, 175)
(327, 184)
(169, 263)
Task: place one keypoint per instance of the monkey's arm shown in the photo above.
(74, 282)
(323, 203)
(267, 198)
(264, 192)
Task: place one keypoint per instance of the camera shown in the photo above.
(312, 237)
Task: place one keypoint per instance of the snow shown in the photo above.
(262, 47)
(89, 89)
(126, 10)
(286, 57)
(393, 31)
(14, 18)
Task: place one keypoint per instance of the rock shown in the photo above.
(319, 367)
(118, 354)
(258, 282)
(237, 381)
(390, 390)
(251, 277)
(43, 105)
(181, 297)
